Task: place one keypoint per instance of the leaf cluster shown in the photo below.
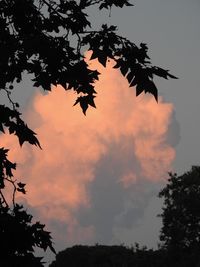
(11, 119)
(6, 167)
(19, 236)
(36, 37)
(118, 3)
(181, 213)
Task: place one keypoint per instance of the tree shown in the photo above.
(108, 256)
(36, 39)
(180, 232)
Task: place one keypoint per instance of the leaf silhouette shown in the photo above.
(152, 89)
(102, 57)
(21, 185)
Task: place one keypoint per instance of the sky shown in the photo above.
(97, 178)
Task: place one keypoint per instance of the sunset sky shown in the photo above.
(97, 178)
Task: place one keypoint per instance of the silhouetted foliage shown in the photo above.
(18, 234)
(10, 118)
(109, 256)
(47, 39)
(36, 38)
(19, 238)
(180, 232)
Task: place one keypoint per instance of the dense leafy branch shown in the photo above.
(33, 31)
(11, 119)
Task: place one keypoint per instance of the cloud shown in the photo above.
(98, 172)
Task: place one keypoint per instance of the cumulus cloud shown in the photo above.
(95, 173)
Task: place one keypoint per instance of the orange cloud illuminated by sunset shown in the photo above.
(58, 176)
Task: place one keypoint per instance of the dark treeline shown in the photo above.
(104, 256)
(121, 256)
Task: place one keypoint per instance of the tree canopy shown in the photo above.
(47, 39)
(107, 256)
(181, 212)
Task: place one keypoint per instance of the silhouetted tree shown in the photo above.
(180, 233)
(47, 39)
(109, 256)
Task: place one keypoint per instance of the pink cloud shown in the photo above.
(58, 176)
